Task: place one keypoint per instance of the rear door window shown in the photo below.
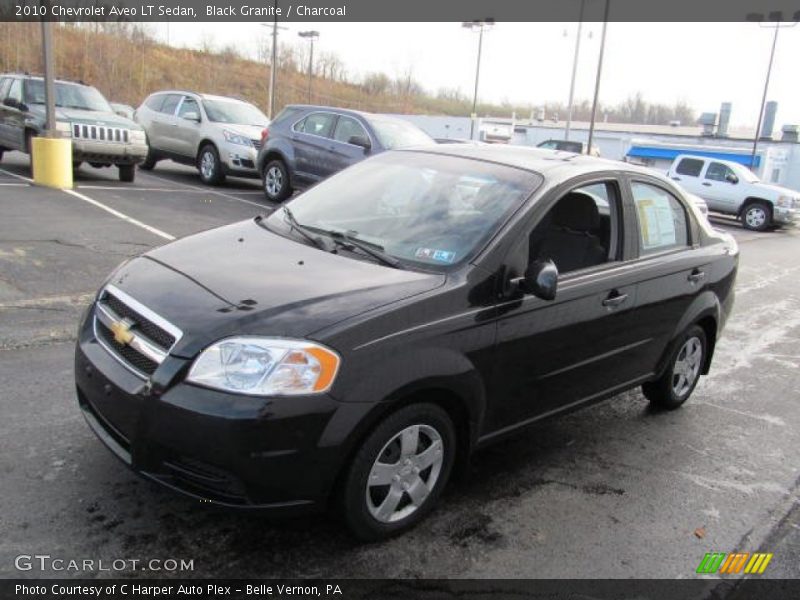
(320, 124)
(662, 219)
(690, 167)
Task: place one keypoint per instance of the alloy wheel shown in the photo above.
(755, 217)
(208, 164)
(273, 182)
(687, 366)
(404, 473)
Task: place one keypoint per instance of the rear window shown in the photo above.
(690, 167)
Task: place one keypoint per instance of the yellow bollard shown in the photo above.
(51, 159)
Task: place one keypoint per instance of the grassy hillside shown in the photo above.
(127, 64)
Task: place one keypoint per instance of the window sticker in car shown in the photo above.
(442, 256)
(658, 226)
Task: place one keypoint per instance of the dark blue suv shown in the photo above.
(305, 144)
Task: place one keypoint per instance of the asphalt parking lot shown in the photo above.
(618, 490)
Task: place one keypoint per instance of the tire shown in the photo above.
(2, 150)
(127, 173)
(686, 362)
(415, 475)
(29, 135)
(757, 216)
(209, 165)
(149, 162)
(275, 181)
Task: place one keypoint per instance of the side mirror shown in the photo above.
(11, 103)
(732, 178)
(540, 279)
(122, 113)
(360, 140)
(192, 116)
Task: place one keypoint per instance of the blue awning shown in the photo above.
(662, 153)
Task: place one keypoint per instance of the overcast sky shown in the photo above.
(702, 63)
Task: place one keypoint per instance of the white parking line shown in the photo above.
(15, 184)
(206, 190)
(17, 176)
(136, 189)
(120, 215)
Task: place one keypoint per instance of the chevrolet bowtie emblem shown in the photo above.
(122, 332)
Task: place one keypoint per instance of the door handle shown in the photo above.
(705, 183)
(696, 276)
(676, 178)
(615, 299)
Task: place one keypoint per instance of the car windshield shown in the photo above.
(427, 210)
(230, 111)
(396, 133)
(68, 95)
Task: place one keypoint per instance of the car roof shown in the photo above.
(40, 78)
(344, 111)
(201, 95)
(539, 160)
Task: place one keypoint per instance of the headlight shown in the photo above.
(235, 138)
(265, 367)
(138, 136)
(784, 201)
(64, 128)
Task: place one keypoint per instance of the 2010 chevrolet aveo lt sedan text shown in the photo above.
(353, 346)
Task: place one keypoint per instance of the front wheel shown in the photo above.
(149, 163)
(209, 166)
(127, 173)
(399, 472)
(275, 179)
(677, 383)
(757, 216)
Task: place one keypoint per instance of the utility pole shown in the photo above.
(273, 61)
(49, 86)
(597, 79)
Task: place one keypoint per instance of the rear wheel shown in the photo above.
(399, 472)
(149, 162)
(209, 166)
(1, 153)
(275, 179)
(127, 173)
(677, 383)
(757, 216)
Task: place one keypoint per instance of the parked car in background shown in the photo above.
(99, 136)
(353, 346)
(219, 135)
(123, 110)
(305, 144)
(731, 188)
(567, 146)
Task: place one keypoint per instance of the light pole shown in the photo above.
(310, 36)
(574, 70)
(776, 17)
(481, 25)
(597, 78)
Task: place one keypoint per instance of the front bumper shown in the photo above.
(239, 160)
(108, 152)
(277, 454)
(785, 216)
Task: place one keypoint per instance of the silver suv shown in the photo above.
(220, 136)
(99, 136)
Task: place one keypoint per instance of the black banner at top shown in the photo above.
(398, 10)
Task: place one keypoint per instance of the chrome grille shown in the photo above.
(144, 339)
(256, 144)
(100, 133)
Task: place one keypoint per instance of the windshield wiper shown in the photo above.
(343, 239)
(306, 233)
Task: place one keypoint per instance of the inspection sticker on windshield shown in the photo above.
(443, 256)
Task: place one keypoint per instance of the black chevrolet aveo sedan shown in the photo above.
(353, 346)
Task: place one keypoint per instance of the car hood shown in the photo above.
(93, 117)
(776, 189)
(244, 280)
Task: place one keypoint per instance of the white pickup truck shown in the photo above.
(731, 188)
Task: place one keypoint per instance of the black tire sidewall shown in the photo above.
(285, 188)
(127, 173)
(353, 497)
